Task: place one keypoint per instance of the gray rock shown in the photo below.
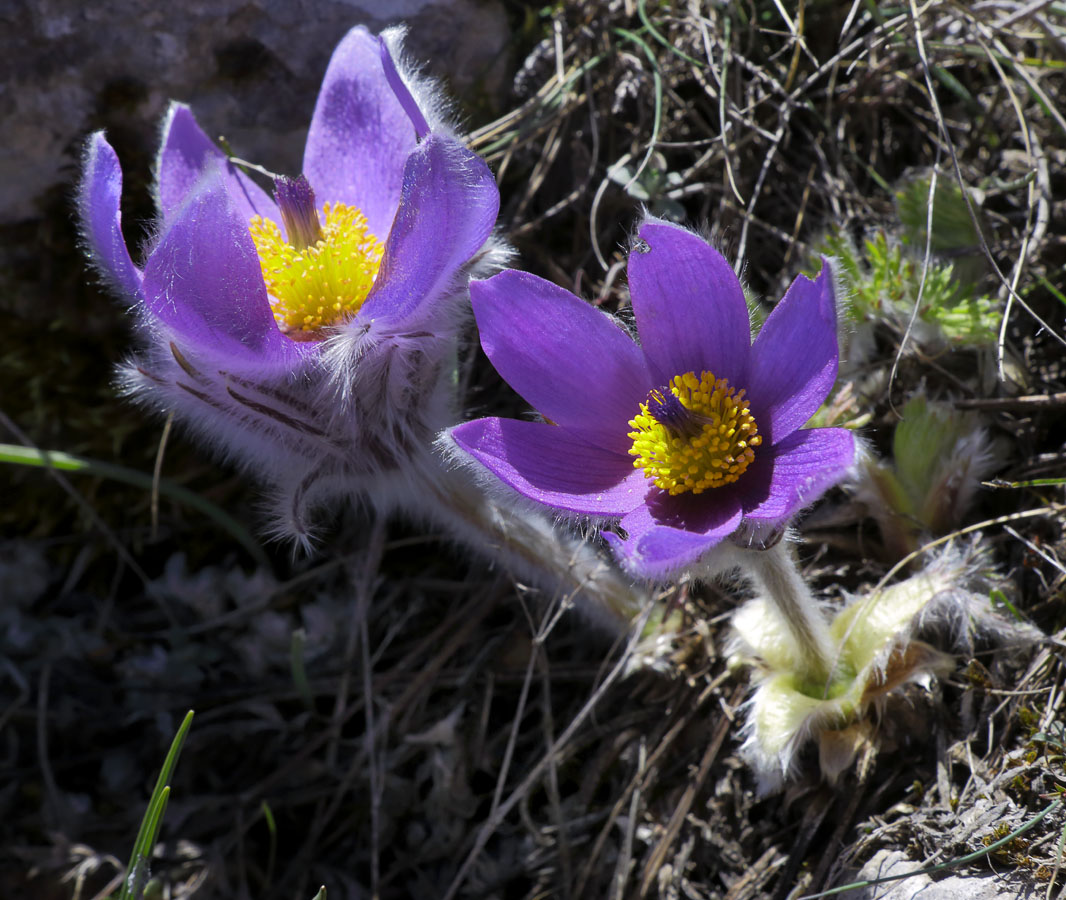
(924, 887)
(249, 68)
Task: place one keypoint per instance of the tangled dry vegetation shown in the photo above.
(390, 720)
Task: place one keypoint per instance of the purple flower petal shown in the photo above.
(657, 550)
(99, 209)
(204, 281)
(186, 154)
(570, 361)
(803, 466)
(689, 305)
(545, 463)
(794, 358)
(447, 211)
(401, 91)
(360, 134)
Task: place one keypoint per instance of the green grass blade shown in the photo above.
(299, 670)
(66, 462)
(1061, 297)
(1034, 482)
(658, 83)
(272, 827)
(956, 87)
(137, 872)
(642, 11)
(137, 876)
(997, 596)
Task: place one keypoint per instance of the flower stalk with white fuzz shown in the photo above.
(527, 543)
(799, 619)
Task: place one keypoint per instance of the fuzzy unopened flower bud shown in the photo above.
(875, 651)
(940, 456)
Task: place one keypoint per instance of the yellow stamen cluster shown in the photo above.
(323, 283)
(712, 449)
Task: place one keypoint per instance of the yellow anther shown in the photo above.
(705, 443)
(321, 284)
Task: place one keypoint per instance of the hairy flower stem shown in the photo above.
(527, 543)
(776, 576)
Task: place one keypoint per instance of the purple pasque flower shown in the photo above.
(688, 437)
(307, 334)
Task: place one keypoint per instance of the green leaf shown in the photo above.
(137, 871)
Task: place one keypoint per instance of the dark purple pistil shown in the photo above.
(667, 410)
(296, 201)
